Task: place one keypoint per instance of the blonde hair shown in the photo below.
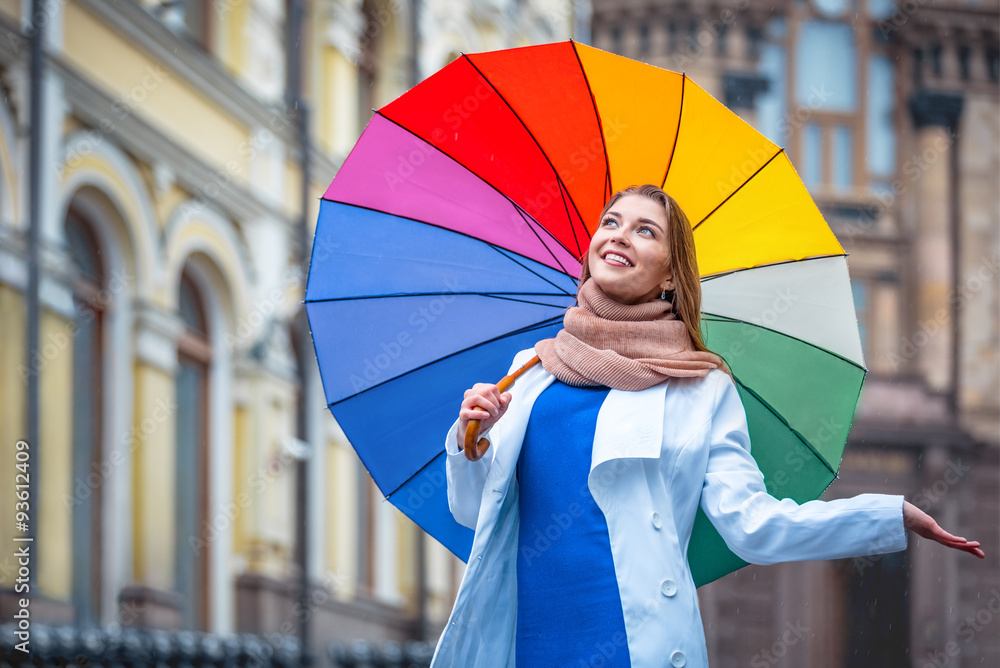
(681, 257)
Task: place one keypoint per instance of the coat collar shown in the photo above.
(629, 424)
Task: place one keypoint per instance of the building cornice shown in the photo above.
(204, 73)
(151, 145)
(201, 71)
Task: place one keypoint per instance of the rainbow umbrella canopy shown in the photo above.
(452, 235)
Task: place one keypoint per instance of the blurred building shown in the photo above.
(890, 112)
(178, 383)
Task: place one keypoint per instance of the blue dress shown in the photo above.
(569, 610)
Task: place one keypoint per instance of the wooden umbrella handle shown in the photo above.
(476, 447)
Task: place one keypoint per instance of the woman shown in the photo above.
(584, 511)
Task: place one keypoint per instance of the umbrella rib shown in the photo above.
(415, 474)
(555, 172)
(522, 330)
(464, 234)
(771, 264)
(525, 301)
(597, 115)
(529, 269)
(726, 318)
(732, 194)
(527, 221)
(478, 176)
(792, 429)
(673, 149)
(495, 295)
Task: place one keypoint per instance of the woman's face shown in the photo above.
(628, 253)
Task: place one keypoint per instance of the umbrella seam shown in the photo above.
(458, 232)
(677, 134)
(555, 172)
(516, 332)
(600, 125)
(493, 295)
(415, 474)
(724, 318)
(770, 264)
(474, 173)
(501, 251)
(792, 429)
(733, 194)
(528, 220)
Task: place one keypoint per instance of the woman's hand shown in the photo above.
(924, 525)
(483, 402)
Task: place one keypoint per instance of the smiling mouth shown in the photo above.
(615, 257)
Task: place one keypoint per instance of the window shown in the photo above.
(880, 154)
(832, 97)
(193, 542)
(770, 104)
(89, 303)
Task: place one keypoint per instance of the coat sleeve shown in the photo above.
(466, 479)
(761, 529)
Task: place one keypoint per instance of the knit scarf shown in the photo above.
(623, 346)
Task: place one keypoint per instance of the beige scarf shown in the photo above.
(624, 346)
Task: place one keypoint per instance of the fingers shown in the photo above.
(957, 542)
(924, 525)
(484, 396)
(483, 402)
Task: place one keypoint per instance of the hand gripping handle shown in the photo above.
(476, 447)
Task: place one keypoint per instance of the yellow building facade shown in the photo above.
(178, 383)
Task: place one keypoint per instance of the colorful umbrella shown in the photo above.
(451, 238)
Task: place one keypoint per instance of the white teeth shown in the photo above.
(619, 258)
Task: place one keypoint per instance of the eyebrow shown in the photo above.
(647, 221)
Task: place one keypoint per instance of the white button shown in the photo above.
(668, 587)
(678, 659)
(657, 523)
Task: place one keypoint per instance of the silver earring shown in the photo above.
(663, 295)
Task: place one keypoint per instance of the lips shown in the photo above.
(616, 259)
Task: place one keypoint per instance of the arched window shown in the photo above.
(194, 355)
(89, 301)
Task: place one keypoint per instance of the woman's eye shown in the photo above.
(647, 230)
(609, 221)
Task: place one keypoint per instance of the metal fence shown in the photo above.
(66, 646)
(75, 647)
(387, 654)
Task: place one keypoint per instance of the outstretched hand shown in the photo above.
(924, 525)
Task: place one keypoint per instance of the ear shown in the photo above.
(667, 284)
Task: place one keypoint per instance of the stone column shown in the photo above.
(930, 344)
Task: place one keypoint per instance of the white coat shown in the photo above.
(657, 455)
